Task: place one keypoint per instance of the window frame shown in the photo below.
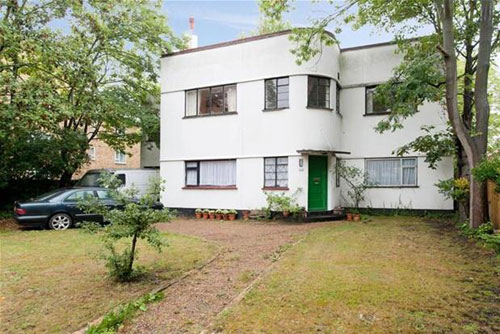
(197, 168)
(318, 77)
(124, 162)
(91, 154)
(277, 93)
(276, 187)
(401, 167)
(210, 113)
(337, 97)
(386, 112)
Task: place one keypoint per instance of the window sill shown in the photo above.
(120, 163)
(275, 109)
(212, 115)
(375, 187)
(378, 114)
(319, 108)
(275, 188)
(210, 187)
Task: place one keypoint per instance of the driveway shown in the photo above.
(247, 250)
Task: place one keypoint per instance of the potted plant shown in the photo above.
(231, 215)
(246, 214)
(218, 214)
(198, 213)
(205, 214)
(211, 214)
(358, 182)
(224, 214)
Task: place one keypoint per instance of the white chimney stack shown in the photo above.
(193, 39)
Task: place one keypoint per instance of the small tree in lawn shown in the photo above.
(130, 218)
(357, 181)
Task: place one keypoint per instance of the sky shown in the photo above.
(219, 21)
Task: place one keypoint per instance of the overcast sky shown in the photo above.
(219, 21)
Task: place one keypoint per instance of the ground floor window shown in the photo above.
(276, 172)
(392, 171)
(211, 173)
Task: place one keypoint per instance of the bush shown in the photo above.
(456, 189)
(279, 202)
(134, 222)
(488, 169)
(484, 233)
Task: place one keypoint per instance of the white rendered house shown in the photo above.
(240, 118)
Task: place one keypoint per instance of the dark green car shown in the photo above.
(58, 209)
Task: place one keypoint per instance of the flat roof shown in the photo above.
(274, 34)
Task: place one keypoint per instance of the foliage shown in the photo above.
(279, 202)
(135, 221)
(267, 25)
(456, 189)
(113, 320)
(63, 88)
(357, 181)
(488, 169)
(484, 233)
(435, 145)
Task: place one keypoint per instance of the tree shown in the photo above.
(463, 34)
(356, 179)
(96, 77)
(131, 219)
(267, 25)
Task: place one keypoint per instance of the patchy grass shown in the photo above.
(51, 281)
(391, 275)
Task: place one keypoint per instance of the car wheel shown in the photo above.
(60, 221)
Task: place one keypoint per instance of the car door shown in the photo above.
(71, 204)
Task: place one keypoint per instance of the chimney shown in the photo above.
(193, 39)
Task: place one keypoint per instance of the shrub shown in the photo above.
(280, 202)
(357, 181)
(135, 221)
(456, 189)
(488, 169)
(484, 233)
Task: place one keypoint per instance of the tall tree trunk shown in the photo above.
(472, 147)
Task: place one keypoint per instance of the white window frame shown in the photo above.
(197, 166)
(119, 154)
(92, 154)
(400, 185)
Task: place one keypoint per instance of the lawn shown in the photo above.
(51, 281)
(390, 275)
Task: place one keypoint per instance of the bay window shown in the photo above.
(210, 101)
(276, 93)
(318, 92)
(392, 172)
(211, 173)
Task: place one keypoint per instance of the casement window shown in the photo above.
(337, 97)
(217, 173)
(92, 153)
(211, 101)
(120, 157)
(374, 107)
(318, 92)
(276, 172)
(392, 172)
(276, 93)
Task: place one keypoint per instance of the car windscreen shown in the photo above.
(49, 195)
(89, 180)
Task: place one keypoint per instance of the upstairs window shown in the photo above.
(218, 173)
(318, 92)
(211, 101)
(337, 97)
(374, 107)
(120, 157)
(276, 172)
(91, 153)
(276, 93)
(392, 172)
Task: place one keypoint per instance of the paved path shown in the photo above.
(247, 250)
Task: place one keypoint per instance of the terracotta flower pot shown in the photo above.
(205, 215)
(197, 215)
(349, 216)
(286, 214)
(211, 215)
(231, 216)
(357, 217)
(224, 216)
(218, 216)
(246, 215)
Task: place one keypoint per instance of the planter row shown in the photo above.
(220, 216)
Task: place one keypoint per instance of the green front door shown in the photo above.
(317, 193)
